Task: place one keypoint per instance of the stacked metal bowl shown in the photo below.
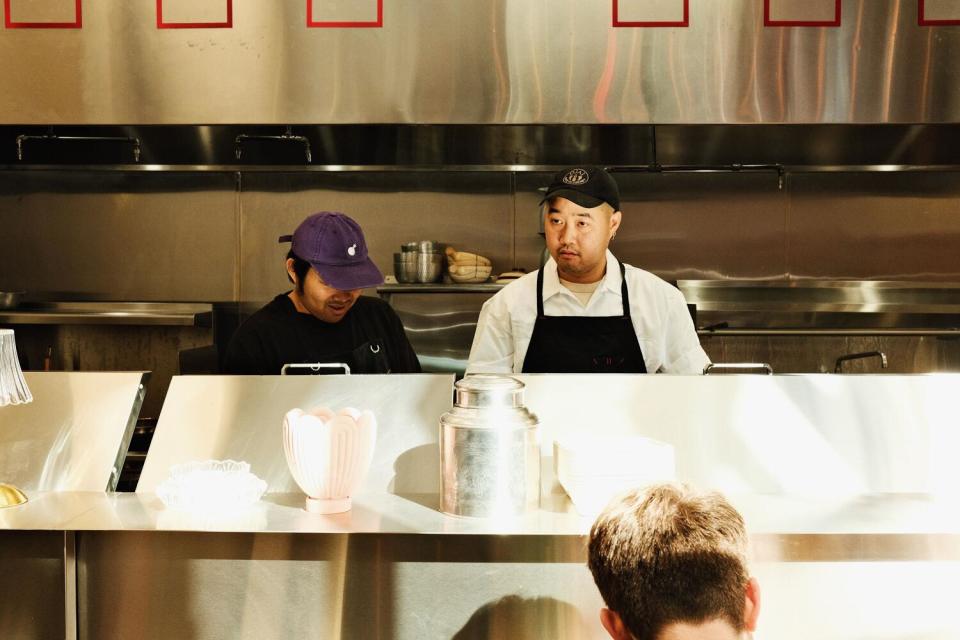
(419, 262)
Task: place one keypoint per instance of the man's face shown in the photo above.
(578, 237)
(323, 301)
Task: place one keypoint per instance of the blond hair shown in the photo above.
(669, 553)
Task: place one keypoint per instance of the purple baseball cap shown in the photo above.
(334, 245)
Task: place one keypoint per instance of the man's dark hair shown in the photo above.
(669, 554)
(300, 267)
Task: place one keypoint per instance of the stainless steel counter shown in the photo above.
(871, 566)
(847, 483)
(74, 435)
(738, 434)
(869, 527)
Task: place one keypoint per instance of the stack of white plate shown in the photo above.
(594, 469)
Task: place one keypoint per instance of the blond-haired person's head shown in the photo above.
(671, 564)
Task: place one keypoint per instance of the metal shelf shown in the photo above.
(110, 313)
(386, 291)
(841, 332)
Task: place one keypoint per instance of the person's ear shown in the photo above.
(614, 625)
(615, 218)
(290, 271)
(751, 605)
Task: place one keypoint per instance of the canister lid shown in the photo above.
(488, 390)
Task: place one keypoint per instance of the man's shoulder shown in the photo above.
(519, 288)
(637, 277)
(368, 309)
(277, 310)
(372, 305)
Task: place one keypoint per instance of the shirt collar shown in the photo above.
(610, 283)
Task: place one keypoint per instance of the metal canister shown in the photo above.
(489, 450)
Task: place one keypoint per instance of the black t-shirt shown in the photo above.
(278, 334)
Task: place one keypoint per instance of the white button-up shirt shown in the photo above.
(658, 310)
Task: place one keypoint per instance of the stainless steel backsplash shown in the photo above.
(483, 61)
(212, 237)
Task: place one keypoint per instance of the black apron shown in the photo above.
(369, 357)
(579, 344)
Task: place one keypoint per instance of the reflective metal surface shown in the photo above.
(31, 585)
(74, 434)
(136, 313)
(767, 434)
(489, 450)
(240, 418)
(824, 307)
(848, 485)
(759, 434)
(488, 61)
(212, 237)
(276, 586)
(119, 237)
(522, 148)
(783, 527)
(385, 570)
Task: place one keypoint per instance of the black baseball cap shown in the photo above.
(588, 186)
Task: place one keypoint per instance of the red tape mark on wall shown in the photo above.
(10, 24)
(162, 24)
(923, 21)
(312, 22)
(768, 22)
(617, 22)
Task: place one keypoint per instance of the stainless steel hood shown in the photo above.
(483, 62)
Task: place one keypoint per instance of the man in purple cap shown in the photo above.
(324, 319)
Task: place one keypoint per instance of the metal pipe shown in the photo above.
(286, 136)
(50, 136)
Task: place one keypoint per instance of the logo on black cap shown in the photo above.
(576, 176)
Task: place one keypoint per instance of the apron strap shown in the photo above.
(540, 293)
(623, 291)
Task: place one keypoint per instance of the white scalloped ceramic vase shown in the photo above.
(329, 454)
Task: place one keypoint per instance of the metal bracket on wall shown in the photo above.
(654, 166)
(705, 168)
(286, 136)
(51, 136)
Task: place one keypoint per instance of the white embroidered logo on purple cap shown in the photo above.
(576, 177)
(352, 250)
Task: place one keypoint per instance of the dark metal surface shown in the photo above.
(451, 147)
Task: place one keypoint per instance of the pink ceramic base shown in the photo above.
(328, 506)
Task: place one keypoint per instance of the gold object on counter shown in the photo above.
(10, 496)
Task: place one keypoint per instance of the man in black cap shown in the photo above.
(324, 319)
(585, 311)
